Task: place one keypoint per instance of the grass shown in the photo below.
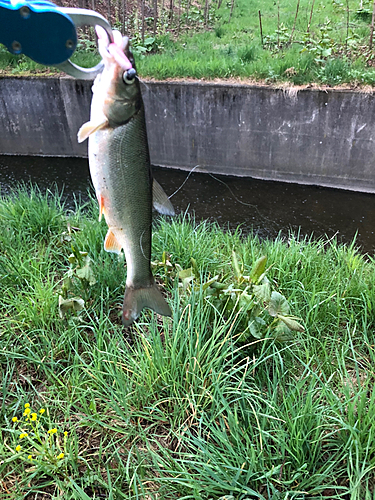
(11, 64)
(330, 50)
(185, 407)
(332, 53)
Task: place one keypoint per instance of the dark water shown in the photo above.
(267, 207)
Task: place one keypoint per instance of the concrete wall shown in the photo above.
(41, 116)
(309, 137)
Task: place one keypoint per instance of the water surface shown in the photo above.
(267, 207)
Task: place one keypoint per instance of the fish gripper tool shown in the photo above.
(47, 33)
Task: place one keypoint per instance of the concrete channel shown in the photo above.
(319, 137)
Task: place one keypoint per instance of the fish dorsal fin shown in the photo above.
(90, 127)
(111, 244)
(160, 200)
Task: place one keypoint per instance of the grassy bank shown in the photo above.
(301, 42)
(197, 406)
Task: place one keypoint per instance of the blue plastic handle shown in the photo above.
(37, 29)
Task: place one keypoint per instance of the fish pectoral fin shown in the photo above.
(136, 299)
(161, 201)
(111, 244)
(89, 128)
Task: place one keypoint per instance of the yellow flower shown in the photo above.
(14, 419)
(41, 411)
(23, 435)
(30, 457)
(18, 448)
(65, 433)
(27, 405)
(61, 455)
(52, 431)
(33, 417)
(27, 411)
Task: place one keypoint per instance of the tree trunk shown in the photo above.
(278, 24)
(347, 25)
(109, 11)
(187, 14)
(124, 6)
(260, 27)
(311, 14)
(155, 16)
(372, 25)
(91, 31)
(179, 17)
(143, 20)
(231, 11)
(206, 13)
(294, 24)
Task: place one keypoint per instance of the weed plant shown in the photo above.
(184, 407)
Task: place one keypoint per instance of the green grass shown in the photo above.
(233, 48)
(181, 407)
(334, 52)
(21, 65)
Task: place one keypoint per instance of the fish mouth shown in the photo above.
(118, 51)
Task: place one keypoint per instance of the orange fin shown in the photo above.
(111, 244)
(101, 207)
(89, 128)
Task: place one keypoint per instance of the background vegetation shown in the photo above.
(304, 41)
(197, 406)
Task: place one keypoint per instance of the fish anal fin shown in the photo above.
(90, 127)
(111, 244)
(136, 299)
(161, 201)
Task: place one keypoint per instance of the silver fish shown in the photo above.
(121, 173)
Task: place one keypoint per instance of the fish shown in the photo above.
(120, 169)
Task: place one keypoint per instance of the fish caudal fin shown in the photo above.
(136, 299)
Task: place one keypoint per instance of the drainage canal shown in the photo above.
(264, 206)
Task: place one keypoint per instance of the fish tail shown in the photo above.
(136, 299)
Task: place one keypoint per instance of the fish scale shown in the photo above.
(130, 195)
(120, 169)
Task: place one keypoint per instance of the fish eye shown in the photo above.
(129, 76)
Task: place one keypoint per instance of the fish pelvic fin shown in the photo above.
(136, 299)
(89, 128)
(101, 207)
(161, 201)
(111, 244)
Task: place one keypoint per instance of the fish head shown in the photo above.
(116, 90)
